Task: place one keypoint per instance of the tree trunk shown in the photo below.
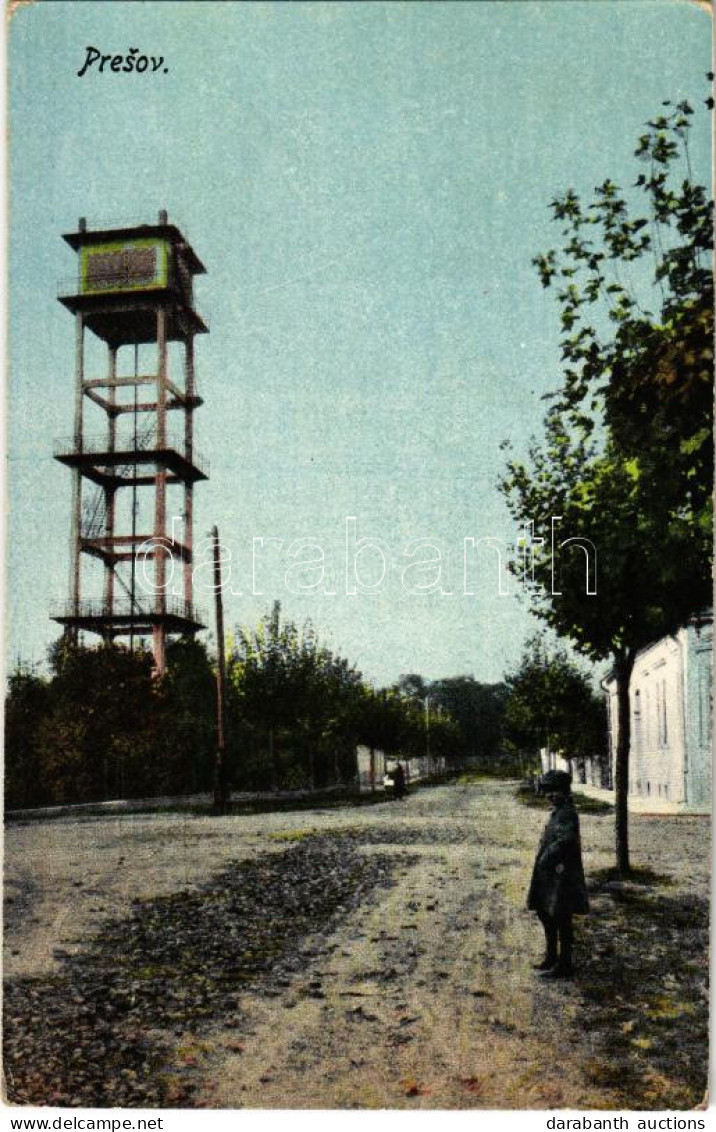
(622, 671)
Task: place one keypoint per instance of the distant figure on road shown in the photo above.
(399, 782)
(558, 890)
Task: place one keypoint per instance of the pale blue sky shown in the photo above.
(367, 184)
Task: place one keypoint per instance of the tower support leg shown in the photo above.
(160, 498)
(76, 532)
(189, 386)
(110, 492)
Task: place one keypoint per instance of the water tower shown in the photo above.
(133, 288)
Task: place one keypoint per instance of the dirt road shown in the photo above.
(390, 963)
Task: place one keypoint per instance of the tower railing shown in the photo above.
(114, 283)
(144, 605)
(98, 445)
(110, 223)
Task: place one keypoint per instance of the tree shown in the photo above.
(389, 721)
(550, 703)
(101, 735)
(26, 704)
(326, 711)
(477, 709)
(103, 726)
(262, 671)
(186, 698)
(412, 686)
(287, 685)
(626, 457)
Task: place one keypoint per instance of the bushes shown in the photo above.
(103, 726)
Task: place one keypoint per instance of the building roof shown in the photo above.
(705, 617)
(167, 231)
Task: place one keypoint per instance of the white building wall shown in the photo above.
(587, 771)
(370, 778)
(415, 769)
(670, 714)
(656, 698)
(553, 760)
(595, 773)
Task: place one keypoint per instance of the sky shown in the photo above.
(367, 184)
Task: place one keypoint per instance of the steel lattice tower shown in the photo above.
(134, 287)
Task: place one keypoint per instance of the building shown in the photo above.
(373, 764)
(593, 771)
(670, 700)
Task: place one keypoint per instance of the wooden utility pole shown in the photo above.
(221, 792)
(427, 733)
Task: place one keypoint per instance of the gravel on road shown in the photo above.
(360, 958)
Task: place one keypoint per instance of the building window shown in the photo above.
(660, 705)
(665, 733)
(636, 712)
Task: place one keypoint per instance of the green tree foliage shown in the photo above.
(391, 722)
(187, 702)
(550, 703)
(300, 699)
(413, 687)
(306, 708)
(626, 457)
(27, 703)
(102, 726)
(464, 716)
(477, 710)
(99, 738)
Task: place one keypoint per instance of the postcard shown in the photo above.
(359, 539)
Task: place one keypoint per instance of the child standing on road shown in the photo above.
(558, 890)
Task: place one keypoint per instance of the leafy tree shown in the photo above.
(103, 726)
(550, 703)
(386, 720)
(474, 712)
(186, 699)
(262, 671)
(626, 458)
(412, 686)
(26, 704)
(100, 737)
(444, 738)
(424, 725)
(290, 687)
(477, 710)
(326, 712)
